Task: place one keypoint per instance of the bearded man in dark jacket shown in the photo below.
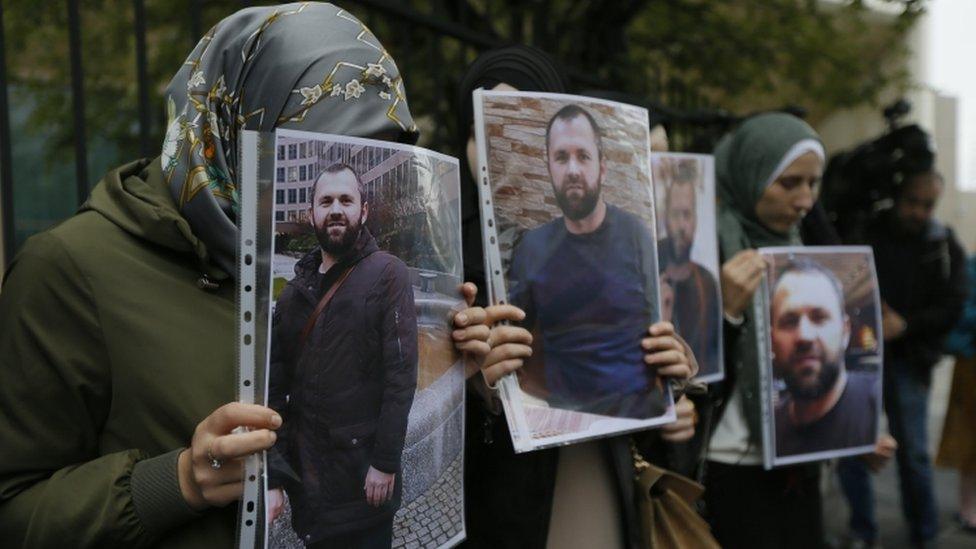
(343, 377)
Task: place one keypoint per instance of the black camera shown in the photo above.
(860, 183)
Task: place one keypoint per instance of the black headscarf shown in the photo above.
(525, 68)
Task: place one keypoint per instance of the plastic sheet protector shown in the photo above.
(687, 251)
(350, 275)
(818, 331)
(568, 222)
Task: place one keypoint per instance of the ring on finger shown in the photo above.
(214, 462)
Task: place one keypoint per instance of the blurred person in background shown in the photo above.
(957, 449)
(922, 280)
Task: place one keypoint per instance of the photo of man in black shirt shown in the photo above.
(825, 406)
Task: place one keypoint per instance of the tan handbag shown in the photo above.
(666, 510)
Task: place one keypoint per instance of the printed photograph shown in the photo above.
(570, 184)
(687, 251)
(365, 279)
(825, 345)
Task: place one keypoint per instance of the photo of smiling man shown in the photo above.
(825, 356)
(366, 265)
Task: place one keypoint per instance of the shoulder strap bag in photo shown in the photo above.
(310, 323)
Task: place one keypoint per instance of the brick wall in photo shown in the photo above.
(522, 191)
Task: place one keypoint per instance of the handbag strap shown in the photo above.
(652, 476)
(310, 323)
(640, 464)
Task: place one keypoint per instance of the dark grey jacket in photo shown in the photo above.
(345, 393)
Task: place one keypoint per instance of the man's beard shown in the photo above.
(340, 245)
(829, 372)
(680, 254)
(578, 208)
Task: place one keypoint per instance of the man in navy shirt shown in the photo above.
(587, 283)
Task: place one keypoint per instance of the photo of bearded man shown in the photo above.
(825, 405)
(587, 281)
(344, 361)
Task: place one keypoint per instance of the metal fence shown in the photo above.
(433, 46)
(6, 169)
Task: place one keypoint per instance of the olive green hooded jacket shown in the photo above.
(111, 352)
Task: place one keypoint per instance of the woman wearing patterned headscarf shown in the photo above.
(303, 66)
(119, 329)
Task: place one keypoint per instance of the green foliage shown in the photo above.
(295, 245)
(278, 284)
(738, 54)
(37, 47)
(300, 245)
(752, 54)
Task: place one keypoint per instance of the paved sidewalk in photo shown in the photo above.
(434, 518)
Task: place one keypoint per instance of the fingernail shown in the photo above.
(457, 334)
(462, 319)
(276, 420)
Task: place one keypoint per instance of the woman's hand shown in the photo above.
(211, 470)
(667, 299)
(497, 350)
(884, 450)
(741, 276)
(683, 427)
(667, 354)
(892, 324)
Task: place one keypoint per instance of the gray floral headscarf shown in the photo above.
(307, 65)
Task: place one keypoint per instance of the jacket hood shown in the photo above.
(135, 197)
